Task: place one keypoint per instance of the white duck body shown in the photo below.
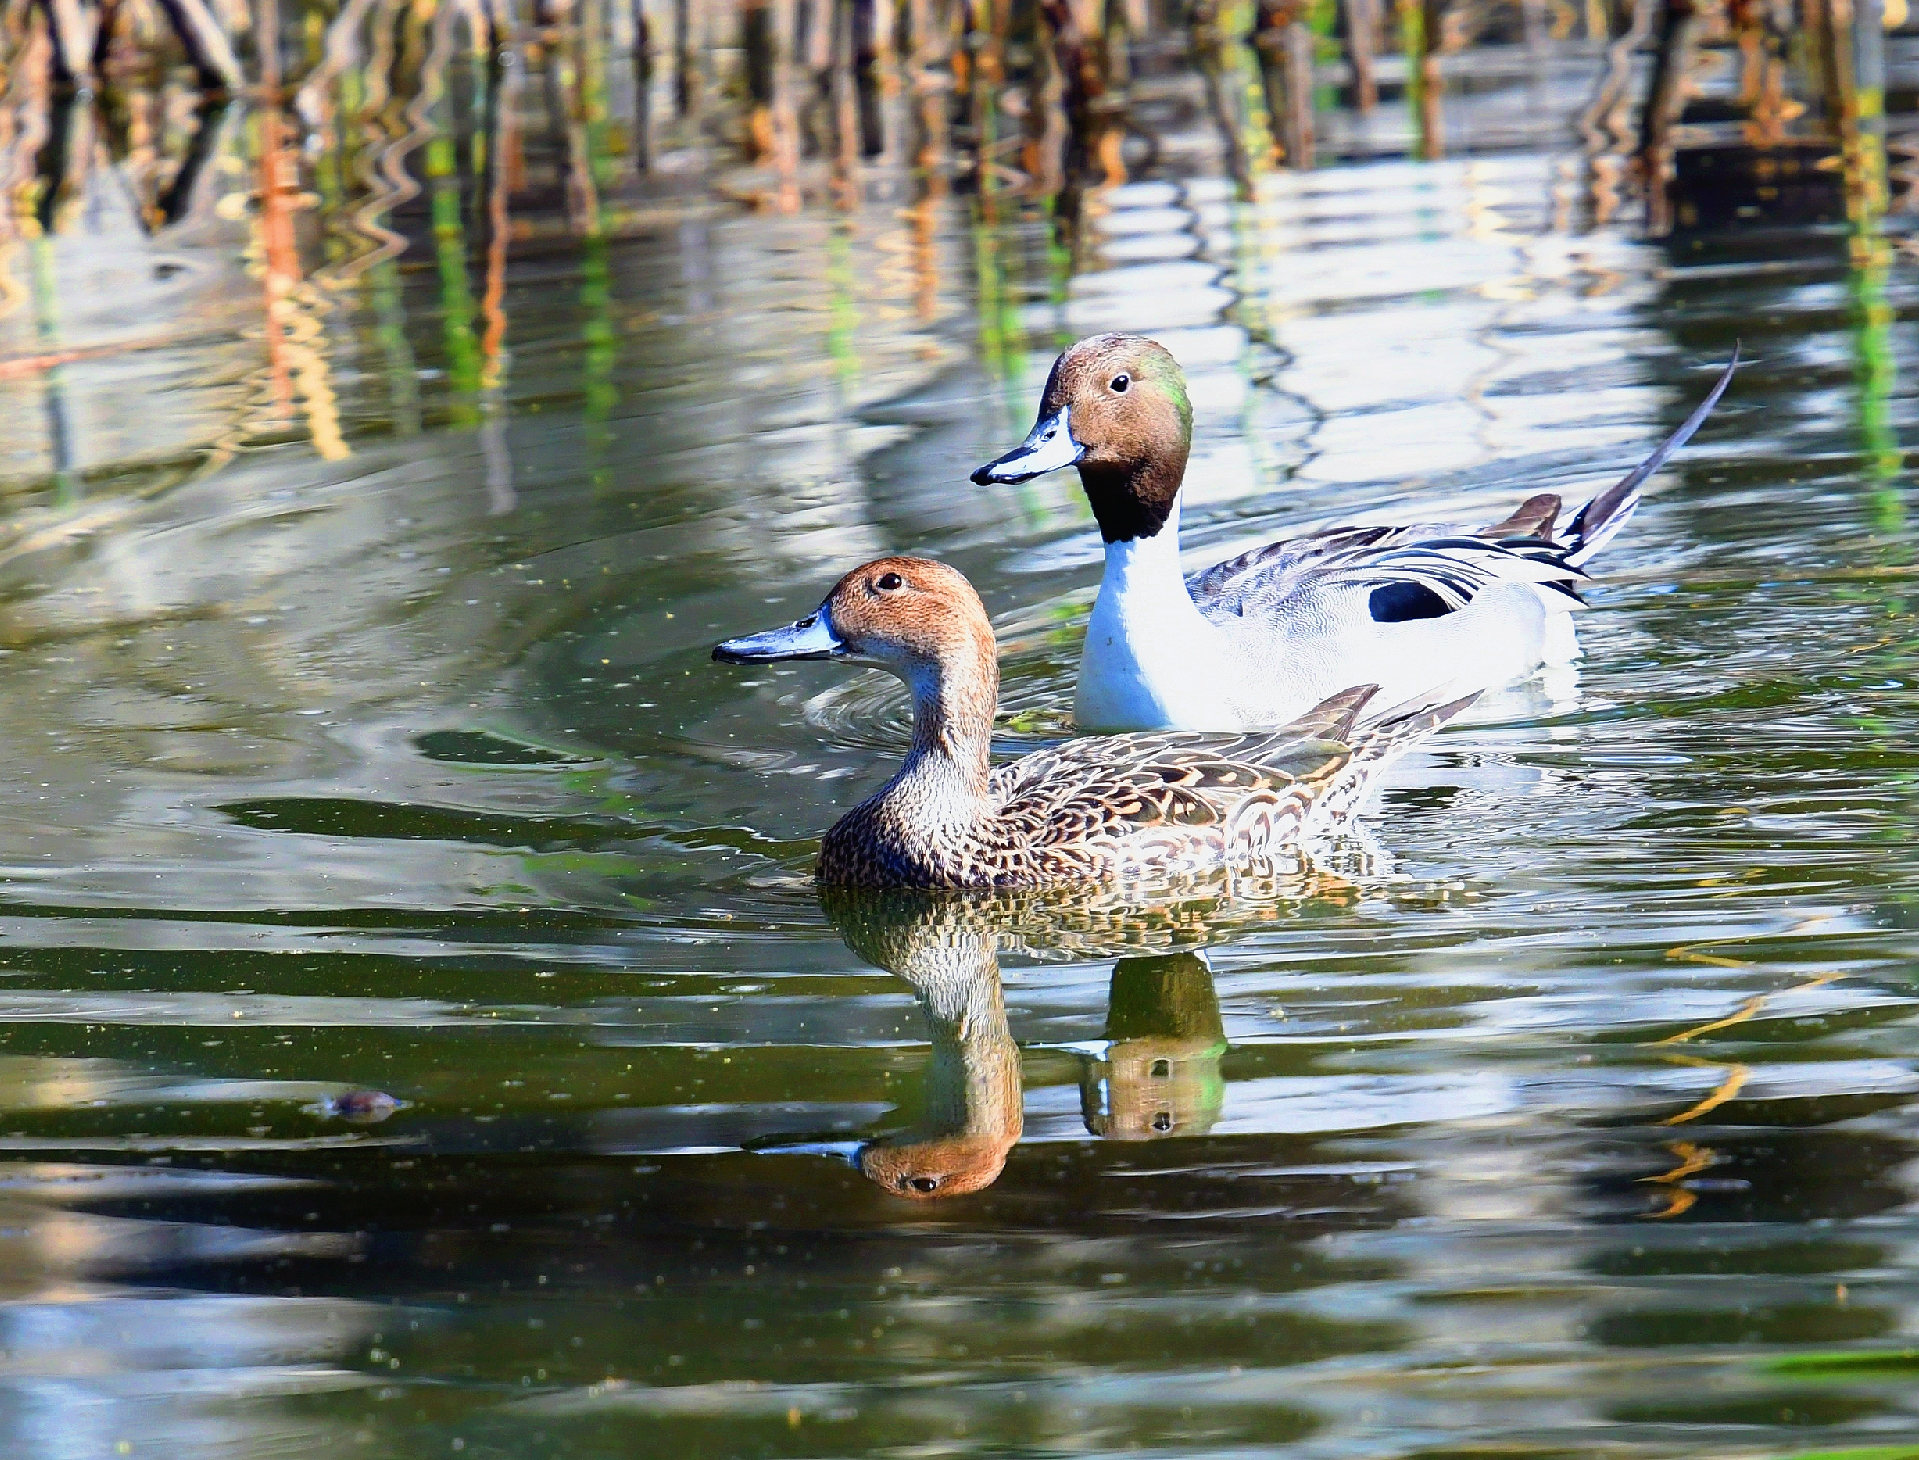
(1433, 610)
(1502, 635)
(1219, 652)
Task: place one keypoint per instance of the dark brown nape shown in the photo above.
(1132, 502)
(1054, 395)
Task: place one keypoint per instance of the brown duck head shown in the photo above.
(916, 617)
(1116, 407)
(921, 620)
(952, 1165)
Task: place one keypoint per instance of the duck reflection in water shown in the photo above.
(1155, 1074)
(1158, 1074)
(971, 1104)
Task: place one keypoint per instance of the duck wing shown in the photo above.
(1429, 569)
(1176, 799)
(1269, 573)
(1409, 572)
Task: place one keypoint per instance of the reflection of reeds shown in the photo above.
(1605, 122)
(1422, 25)
(1284, 44)
(71, 30)
(689, 58)
(296, 340)
(421, 133)
(642, 86)
(383, 163)
(1088, 44)
(1363, 22)
(1762, 81)
(206, 44)
(848, 126)
(814, 75)
(1235, 94)
(929, 25)
(1875, 365)
(1672, 58)
(46, 307)
(1081, 51)
(501, 166)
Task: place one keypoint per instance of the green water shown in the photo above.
(420, 1035)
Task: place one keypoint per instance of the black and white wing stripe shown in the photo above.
(1454, 569)
(1269, 573)
(1417, 572)
(1429, 569)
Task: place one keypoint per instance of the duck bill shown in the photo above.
(1047, 447)
(811, 638)
(847, 1151)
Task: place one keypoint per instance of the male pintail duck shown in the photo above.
(1091, 809)
(1258, 639)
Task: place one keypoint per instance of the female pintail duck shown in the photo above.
(1256, 640)
(1091, 809)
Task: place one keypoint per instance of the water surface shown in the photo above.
(421, 1034)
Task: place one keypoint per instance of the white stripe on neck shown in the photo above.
(1151, 661)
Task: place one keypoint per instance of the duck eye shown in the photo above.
(889, 582)
(924, 1183)
(1120, 382)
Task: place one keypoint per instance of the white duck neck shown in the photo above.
(1151, 660)
(1148, 568)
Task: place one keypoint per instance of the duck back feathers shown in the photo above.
(1108, 807)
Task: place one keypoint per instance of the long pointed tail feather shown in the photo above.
(1605, 514)
(1379, 741)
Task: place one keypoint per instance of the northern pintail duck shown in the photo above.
(1091, 809)
(1260, 638)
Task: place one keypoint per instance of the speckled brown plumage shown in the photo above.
(1095, 809)
(1105, 807)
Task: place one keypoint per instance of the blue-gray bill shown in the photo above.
(1047, 447)
(811, 638)
(847, 1151)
